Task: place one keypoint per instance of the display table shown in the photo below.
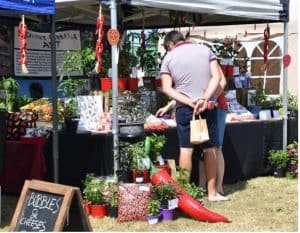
(245, 151)
(22, 161)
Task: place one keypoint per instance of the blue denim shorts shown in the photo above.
(184, 115)
(221, 122)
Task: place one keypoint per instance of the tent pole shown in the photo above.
(114, 63)
(285, 87)
(54, 100)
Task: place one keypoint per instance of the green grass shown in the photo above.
(260, 204)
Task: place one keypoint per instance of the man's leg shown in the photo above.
(185, 158)
(220, 170)
(210, 163)
(202, 176)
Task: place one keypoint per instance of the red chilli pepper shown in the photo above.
(186, 203)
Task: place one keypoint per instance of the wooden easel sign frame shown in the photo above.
(45, 206)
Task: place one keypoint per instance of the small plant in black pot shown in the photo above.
(112, 198)
(278, 159)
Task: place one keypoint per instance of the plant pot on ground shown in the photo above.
(112, 198)
(166, 192)
(278, 159)
(153, 211)
(94, 193)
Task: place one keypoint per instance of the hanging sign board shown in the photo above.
(113, 36)
(45, 206)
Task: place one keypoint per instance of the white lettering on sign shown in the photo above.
(33, 221)
(41, 201)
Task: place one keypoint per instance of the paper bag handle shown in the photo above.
(194, 114)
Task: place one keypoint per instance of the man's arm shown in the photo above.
(172, 93)
(221, 85)
(201, 102)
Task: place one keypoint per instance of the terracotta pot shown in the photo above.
(158, 83)
(229, 71)
(122, 83)
(146, 175)
(99, 211)
(86, 207)
(106, 84)
(132, 84)
(224, 69)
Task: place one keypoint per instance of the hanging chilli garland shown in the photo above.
(99, 43)
(143, 43)
(23, 45)
(266, 47)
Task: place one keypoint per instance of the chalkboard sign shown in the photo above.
(45, 206)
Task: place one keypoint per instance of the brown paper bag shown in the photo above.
(199, 131)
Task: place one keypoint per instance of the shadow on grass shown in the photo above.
(232, 188)
(9, 203)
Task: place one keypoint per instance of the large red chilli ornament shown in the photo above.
(23, 44)
(99, 43)
(186, 203)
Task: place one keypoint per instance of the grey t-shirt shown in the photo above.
(189, 66)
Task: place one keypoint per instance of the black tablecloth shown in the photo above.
(80, 154)
(245, 149)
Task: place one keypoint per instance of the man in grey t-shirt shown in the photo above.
(190, 75)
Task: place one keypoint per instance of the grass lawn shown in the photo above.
(259, 204)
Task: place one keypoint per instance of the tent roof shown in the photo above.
(12, 7)
(132, 14)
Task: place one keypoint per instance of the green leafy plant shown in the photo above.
(182, 178)
(112, 197)
(23, 100)
(127, 59)
(165, 192)
(226, 48)
(292, 105)
(278, 158)
(69, 87)
(94, 192)
(11, 88)
(153, 207)
(137, 154)
(77, 61)
(259, 98)
(157, 143)
(292, 163)
(86, 181)
(2, 107)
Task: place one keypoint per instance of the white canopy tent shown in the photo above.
(136, 14)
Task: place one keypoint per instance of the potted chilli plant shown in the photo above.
(140, 171)
(87, 180)
(166, 192)
(153, 147)
(69, 88)
(153, 211)
(112, 198)
(94, 193)
(124, 160)
(278, 159)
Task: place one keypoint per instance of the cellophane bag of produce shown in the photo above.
(132, 200)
